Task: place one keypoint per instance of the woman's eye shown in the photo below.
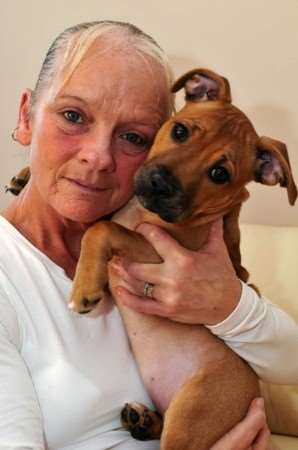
(73, 116)
(219, 175)
(135, 139)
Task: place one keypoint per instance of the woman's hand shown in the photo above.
(252, 433)
(195, 287)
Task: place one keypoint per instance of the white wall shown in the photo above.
(252, 42)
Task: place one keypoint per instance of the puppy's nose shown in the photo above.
(158, 180)
(160, 191)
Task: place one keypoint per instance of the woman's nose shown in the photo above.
(97, 152)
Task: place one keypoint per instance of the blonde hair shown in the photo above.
(69, 48)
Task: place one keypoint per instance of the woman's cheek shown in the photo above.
(126, 168)
(59, 139)
(64, 144)
(136, 161)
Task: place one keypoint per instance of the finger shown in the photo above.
(150, 273)
(162, 242)
(257, 405)
(253, 424)
(124, 278)
(144, 305)
(262, 442)
(133, 285)
(135, 274)
(242, 436)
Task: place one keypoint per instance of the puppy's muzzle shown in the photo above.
(159, 191)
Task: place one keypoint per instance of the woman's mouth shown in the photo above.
(87, 187)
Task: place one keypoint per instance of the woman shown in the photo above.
(100, 98)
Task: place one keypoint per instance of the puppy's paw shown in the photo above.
(142, 423)
(83, 302)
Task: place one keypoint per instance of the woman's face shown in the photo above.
(88, 140)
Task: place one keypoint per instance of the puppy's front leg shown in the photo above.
(232, 240)
(100, 243)
(142, 423)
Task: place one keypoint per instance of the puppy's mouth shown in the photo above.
(159, 191)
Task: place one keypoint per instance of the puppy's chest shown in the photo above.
(134, 214)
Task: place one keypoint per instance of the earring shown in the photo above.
(14, 135)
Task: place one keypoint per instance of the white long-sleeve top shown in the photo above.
(64, 378)
(263, 335)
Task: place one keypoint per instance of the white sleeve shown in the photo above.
(263, 335)
(20, 416)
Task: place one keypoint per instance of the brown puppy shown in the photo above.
(196, 172)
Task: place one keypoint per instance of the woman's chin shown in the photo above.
(80, 213)
(86, 217)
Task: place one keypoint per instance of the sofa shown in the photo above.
(270, 254)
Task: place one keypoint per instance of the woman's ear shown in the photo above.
(23, 132)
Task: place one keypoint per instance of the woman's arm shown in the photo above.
(263, 335)
(202, 288)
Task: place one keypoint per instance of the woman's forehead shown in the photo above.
(126, 66)
(117, 77)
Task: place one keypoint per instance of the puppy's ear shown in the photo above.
(203, 85)
(273, 166)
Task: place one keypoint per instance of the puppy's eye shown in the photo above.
(180, 132)
(219, 174)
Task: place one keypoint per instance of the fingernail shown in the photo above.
(117, 260)
(114, 268)
(260, 402)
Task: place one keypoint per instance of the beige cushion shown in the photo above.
(284, 443)
(270, 254)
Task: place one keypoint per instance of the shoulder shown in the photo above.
(17, 274)
(12, 244)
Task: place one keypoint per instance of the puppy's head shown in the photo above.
(205, 154)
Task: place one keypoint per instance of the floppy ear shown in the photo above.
(203, 85)
(273, 166)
